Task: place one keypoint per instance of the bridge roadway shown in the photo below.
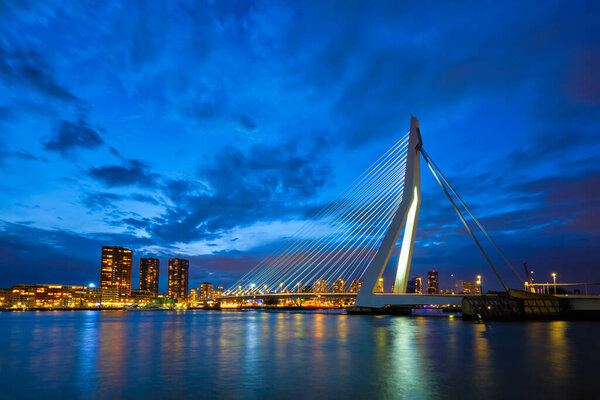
(402, 299)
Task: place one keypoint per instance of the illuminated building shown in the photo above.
(206, 290)
(415, 285)
(321, 286)
(5, 297)
(109, 295)
(219, 291)
(466, 287)
(379, 286)
(355, 286)
(433, 282)
(339, 286)
(50, 296)
(141, 297)
(178, 278)
(193, 294)
(23, 295)
(149, 268)
(115, 269)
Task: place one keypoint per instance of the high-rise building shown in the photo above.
(466, 287)
(149, 268)
(433, 282)
(321, 286)
(355, 286)
(206, 290)
(115, 269)
(415, 285)
(178, 278)
(193, 294)
(339, 286)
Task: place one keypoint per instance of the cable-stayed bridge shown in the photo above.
(343, 250)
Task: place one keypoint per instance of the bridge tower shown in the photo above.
(406, 216)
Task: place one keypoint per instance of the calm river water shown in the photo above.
(260, 355)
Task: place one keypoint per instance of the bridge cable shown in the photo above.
(472, 216)
(463, 220)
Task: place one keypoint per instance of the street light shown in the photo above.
(479, 283)
(554, 277)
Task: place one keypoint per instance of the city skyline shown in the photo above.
(213, 145)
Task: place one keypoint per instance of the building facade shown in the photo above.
(339, 286)
(466, 287)
(50, 296)
(355, 286)
(206, 290)
(415, 285)
(149, 268)
(115, 269)
(321, 286)
(433, 282)
(178, 278)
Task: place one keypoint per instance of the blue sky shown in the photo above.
(208, 130)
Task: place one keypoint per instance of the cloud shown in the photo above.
(28, 68)
(69, 136)
(237, 189)
(100, 200)
(247, 122)
(132, 173)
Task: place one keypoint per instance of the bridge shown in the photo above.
(343, 249)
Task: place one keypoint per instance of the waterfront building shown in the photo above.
(466, 287)
(109, 296)
(5, 297)
(415, 285)
(178, 278)
(149, 268)
(23, 295)
(193, 294)
(433, 282)
(115, 269)
(206, 290)
(321, 286)
(339, 286)
(355, 286)
(219, 291)
(141, 297)
(50, 296)
(418, 285)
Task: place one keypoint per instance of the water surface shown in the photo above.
(260, 355)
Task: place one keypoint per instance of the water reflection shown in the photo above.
(283, 355)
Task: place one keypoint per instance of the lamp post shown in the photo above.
(554, 278)
(479, 284)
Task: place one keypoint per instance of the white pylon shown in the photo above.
(406, 215)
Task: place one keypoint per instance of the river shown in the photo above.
(264, 355)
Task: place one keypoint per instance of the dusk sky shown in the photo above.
(210, 130)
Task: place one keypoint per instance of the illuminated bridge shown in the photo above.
(343, 250)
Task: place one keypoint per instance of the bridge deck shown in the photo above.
(382, 298)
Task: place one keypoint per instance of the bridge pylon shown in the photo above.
(406, 217)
